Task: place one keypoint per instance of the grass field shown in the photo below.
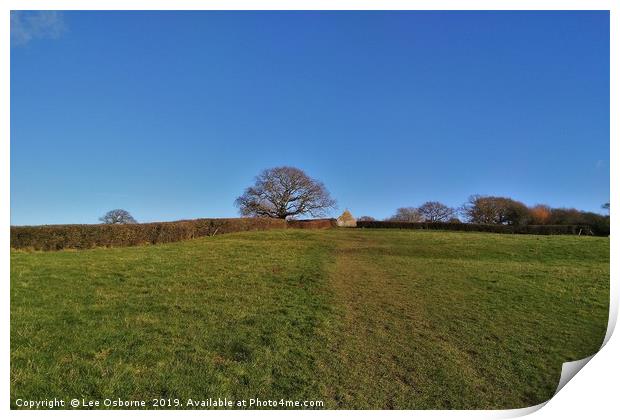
(355, 318)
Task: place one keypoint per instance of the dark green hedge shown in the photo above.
(312, 224)
(474, 227)
(55, 237)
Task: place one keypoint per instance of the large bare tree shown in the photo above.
(117, 217)
(285, 192)
(434, 211)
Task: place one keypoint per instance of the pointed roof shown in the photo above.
(346, 216)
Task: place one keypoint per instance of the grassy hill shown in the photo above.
(355, 318)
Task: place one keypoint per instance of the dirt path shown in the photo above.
(385, 352)
(376, 322)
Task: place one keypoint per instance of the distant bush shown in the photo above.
(478, 227)
(56, 237)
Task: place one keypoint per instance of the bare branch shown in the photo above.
(285, 192)
(117, 217)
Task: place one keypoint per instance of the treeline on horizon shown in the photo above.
(282, 195)
(492, 210)
(481, 213)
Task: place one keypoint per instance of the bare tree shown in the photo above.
(117, 217)
(366, 219)
(406, 214)
(285, 192)
(434, 211)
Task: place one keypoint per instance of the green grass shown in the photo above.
(355, 318)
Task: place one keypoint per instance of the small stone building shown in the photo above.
(346, 219)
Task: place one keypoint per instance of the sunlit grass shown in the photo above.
(356, 318)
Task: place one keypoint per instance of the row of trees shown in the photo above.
(431, 211)
(501, 211)
(287, 192)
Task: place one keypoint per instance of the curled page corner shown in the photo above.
(570, 369)
(519, 412)
(613, 317)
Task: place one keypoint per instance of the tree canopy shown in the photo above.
(406, 214)
(117, 217)
(285, 192)
(434, 211)
(495, 210)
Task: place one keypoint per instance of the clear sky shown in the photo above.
(170, 115)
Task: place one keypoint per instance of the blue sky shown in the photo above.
(170, 115)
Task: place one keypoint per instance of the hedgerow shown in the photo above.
(56, 237)
(312, 224)
(476, 227)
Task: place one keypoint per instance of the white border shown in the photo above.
(592, 393)
(309, 5)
